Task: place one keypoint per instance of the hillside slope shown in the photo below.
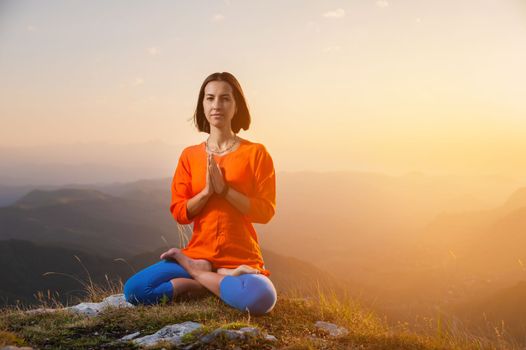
(293, 322)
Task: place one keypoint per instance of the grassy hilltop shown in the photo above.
(292, 322)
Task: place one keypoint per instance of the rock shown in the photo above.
(250, 330)
(230, 334)
(130, 336)
(171, 334)
(332, 329)
(93, 309)
(12, 347)
(116, 300)
(89, 309)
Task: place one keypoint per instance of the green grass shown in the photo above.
(291, 322)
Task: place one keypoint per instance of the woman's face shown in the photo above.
(219, 104)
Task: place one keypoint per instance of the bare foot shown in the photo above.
(240, 270)
(192, 266)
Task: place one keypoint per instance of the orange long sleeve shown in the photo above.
(221, 233)
(181, 191)
(263, 203)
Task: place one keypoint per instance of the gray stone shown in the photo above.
(230, 334)
(251, 331)
(130, 336)
(116, 300)
(332, 329)
(93, 309)
(171, 334)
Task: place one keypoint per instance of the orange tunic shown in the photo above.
(221, 233)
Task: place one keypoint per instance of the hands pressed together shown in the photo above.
(215, 182)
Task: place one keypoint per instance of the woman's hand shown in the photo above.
(208, 191)
(170, 254)
(216, 176)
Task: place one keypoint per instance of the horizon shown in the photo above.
(160, 155)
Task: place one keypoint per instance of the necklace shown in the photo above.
(223, 151)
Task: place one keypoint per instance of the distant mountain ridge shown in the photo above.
(471, 234)
(89, 220)
(41, 198)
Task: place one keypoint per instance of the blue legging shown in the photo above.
(252, 292)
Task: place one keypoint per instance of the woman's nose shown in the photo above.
(216, 104)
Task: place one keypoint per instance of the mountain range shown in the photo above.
(89, 220)
(408, 243)
(83, 234)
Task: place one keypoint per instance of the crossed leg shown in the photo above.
(164, 279)
(193, 277)
(201, 270)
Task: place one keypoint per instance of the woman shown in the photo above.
(222, 185)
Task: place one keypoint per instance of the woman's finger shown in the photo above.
(213, 164)
(213, 169)
(217, 180)
(217, 173)
(213, 177)
(218, 168)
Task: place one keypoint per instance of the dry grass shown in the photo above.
(291, 321)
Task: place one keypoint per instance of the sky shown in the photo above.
(388, 86)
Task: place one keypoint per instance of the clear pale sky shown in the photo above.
(393, 86)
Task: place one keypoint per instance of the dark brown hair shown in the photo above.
(241, 119)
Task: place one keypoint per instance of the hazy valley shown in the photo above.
(409, 246)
